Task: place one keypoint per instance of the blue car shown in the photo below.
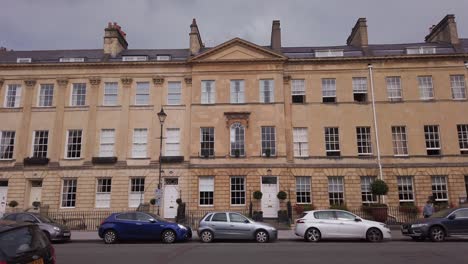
(141, 226)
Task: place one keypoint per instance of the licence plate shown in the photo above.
(66, 234)
(404, 230)
(37, 261)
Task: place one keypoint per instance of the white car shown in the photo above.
(324, 224)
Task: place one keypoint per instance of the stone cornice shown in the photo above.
(95, 80)
(158, 80)
(126, 81)
(30, 83)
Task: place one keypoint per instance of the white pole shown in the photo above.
(376, 127)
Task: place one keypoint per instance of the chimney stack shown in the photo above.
(195, 39)
(276, 36)
(358, 37)
(114, 40)
(445, 31)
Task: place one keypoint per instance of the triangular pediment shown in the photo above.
(237, 50)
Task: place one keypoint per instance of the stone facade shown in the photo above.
(236, 59)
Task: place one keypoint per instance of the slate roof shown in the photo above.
(97, 55)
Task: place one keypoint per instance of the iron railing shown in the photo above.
(81, 220)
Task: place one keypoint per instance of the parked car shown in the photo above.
(53, 230)
(442, 224)
(232, 225)
(141, 226)
(338, 224)
(22, 242)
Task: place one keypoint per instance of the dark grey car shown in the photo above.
(53, 230)
(232, 225)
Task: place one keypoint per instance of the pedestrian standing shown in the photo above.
(428, 209)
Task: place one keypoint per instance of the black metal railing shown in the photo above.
(81, 220)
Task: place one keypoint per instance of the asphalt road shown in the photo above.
(281, 252)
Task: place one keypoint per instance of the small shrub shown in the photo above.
(153, 201)
(379, 188)
(36, 204)
(257, 195)
(282, 195)
(13, 204)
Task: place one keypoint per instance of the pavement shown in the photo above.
(282, 235)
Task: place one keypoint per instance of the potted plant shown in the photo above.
(283, 216)
(257, 195)
(236, 153)
(268, 152)
(36, 204)
(282, 195)
(379, 211)
(152, 201)
(257, 216)
(13, 204)
(300, 208)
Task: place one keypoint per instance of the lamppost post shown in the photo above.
(161, 116)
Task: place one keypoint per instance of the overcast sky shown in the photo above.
(79, 24)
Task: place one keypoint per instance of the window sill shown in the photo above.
(139, 158)
(205, 206)
(71, 159)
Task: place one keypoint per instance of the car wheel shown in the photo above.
(374, 235)
(168, 236)
(313, 235)
(206, 236)
(261, 236)
(110, 237)
(437, 234)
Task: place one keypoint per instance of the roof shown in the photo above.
(181, 55)
(6, 225)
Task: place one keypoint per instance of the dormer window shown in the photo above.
(23, 60)
(71, 59)
(421, 50)
(163, 57)
(135, 58)
(328, 53)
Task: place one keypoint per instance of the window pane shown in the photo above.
(237, 191)
(7, 144)
(303, 190)
(174, 93)
(237, 139)
(142, 93)
(237, 92)
(268, 141)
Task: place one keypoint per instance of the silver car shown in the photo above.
(232, 225)
(53, 230)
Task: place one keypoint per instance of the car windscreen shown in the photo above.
(44, 219)
(155, 217)
(20, 241)
(442, 213)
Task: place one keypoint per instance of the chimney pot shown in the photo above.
(114, 39)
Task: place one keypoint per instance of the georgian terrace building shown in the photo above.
(79, 128)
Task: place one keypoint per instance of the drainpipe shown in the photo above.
(376, 127)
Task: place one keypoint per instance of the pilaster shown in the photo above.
(58, 133)
(90, 131)
(288, 118)
(24, 133)
(123, 131)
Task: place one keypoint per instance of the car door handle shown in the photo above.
(231, 225)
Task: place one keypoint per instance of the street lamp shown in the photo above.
(162, 116)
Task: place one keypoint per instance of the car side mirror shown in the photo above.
(357, 219)
(246, 221)
(30, 221)
(452, 216)
(152, 220)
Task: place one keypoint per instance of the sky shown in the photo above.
(79, 24)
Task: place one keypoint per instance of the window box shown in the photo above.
(36, 161)
(104, 160)
(172, 159)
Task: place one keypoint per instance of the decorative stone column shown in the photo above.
(288, 118)
(186, 99)
(123, 131)
(90, 132)
(57, 143)
(24, 133)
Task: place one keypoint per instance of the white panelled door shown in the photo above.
(270, 203)
(171, 193)
(3, 197)
(35, 193)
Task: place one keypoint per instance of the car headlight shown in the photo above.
(56, 229)
(385, 226)
(418, 225)
(181, 226)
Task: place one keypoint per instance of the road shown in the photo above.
(281, 252)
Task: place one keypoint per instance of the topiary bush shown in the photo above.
(379, 188)
(13, 204)
(153, 201)
(282, 195)
(257, 195)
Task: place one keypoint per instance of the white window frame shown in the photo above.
(303, 190)
(5, 145)
(332, 141)
(203, 142)
(462, 131)
(328, 88)
(420, 50)
(174, 89)
(208, 92)
(394, 88)
(399, 141)
(301, 142)
(268, 140)
(426, 88)
(103, 192)
(140, 143)
(23, 60)
(439, 188)
(111, 94)
(366, 192)
(142, 93)
(237, 91)
(107, 143)
(335, 188)
(75, 97)
(360, 87)
(134, 58)
(135, 191)
(38, 146)
(364, 141)
(432, 138)
(329, 53)
(237, 139)
(77, 59)
(267, 92)
(242, 192)
(458, 86)
(45, 99)
(72, 183)
(68, 143)
(205, 186)
(298, 88)
(172, 142)
(163, 57)
(13, 101)
(405, 188)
